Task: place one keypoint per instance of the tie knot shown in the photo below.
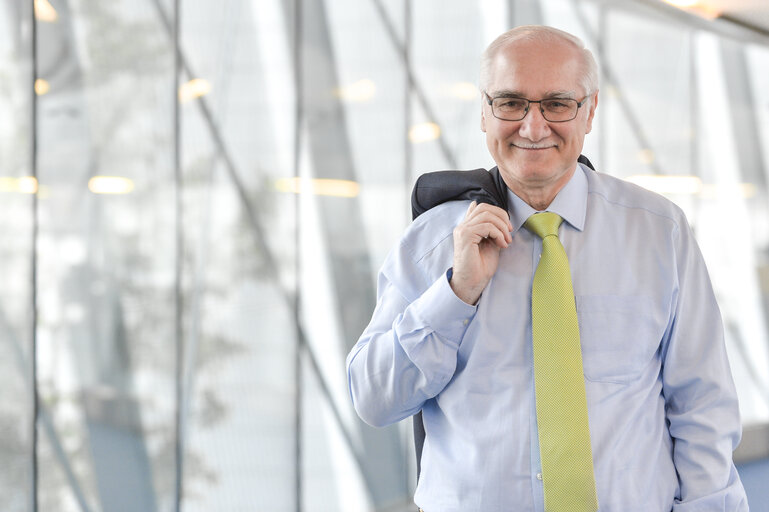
(544, 224)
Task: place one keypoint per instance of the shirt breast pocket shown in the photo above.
(620, 336)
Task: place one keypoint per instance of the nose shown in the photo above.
(534, 126)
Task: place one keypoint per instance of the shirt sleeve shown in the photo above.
(701, 400)
(408, 352)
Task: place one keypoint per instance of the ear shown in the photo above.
(591, 113)
(483, 118)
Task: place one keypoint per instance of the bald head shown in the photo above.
(546, 36)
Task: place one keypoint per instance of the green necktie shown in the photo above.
(564, 435)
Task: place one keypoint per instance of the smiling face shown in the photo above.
(535, 157)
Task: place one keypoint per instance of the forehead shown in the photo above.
(535, 68)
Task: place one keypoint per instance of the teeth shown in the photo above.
(527, 146)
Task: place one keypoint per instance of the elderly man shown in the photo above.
(566, 353)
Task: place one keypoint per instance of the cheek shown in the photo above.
(499, 134)
(570, 137)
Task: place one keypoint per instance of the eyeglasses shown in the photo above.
(554, 110)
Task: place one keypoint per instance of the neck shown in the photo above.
(538, 194)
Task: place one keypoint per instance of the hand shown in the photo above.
(477, 242)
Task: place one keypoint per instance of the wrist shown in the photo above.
(465, 292)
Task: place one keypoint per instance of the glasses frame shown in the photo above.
(490, 100)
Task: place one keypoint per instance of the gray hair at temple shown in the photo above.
(542, 34)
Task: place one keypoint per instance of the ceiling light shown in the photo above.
(646, 156)
(42, 86)
(195, 88)
(23, 185)
(28, 185)
(356, 92)
(44, 11)
(318, 186)
(682, 3)
(110, 185)
(424, 132)
(698, 7)
(464, 91)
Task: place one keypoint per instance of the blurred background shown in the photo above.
(195, 197)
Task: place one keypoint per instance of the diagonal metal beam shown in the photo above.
(33, 258)
(296, 63)
(135, 480)
(260, 239)
(611, 78)
(43, 418)
(179, 395)
(724, 25)
(749, 155)
(402, 50)
(745, 124)
(323, 129)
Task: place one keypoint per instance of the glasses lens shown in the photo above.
(510, 109)
(559, 109)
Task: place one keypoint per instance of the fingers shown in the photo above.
(487, 210)
(477, 242)
(484, 221)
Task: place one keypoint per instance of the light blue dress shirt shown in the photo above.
(662, 406)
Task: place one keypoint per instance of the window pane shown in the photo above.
(106, 259)
(17, 187)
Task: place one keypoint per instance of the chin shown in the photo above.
(536, 172)
(534, 168)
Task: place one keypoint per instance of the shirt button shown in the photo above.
(465, 321)
(539, 476)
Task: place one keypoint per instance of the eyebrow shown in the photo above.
(507, 93)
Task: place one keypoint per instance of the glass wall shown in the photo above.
(196, 197)
(17, 218)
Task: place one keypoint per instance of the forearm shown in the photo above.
(408, 352)
(705, 434)
(701, 400)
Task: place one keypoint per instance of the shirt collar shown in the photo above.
(570, 203)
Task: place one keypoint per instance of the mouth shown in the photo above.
(533, 147)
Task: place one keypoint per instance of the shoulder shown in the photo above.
(433, 228)
(426, 249)
(621, 196)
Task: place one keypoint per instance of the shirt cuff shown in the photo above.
(444, 312)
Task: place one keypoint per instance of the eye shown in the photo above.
(557, 105)
(510, 104)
